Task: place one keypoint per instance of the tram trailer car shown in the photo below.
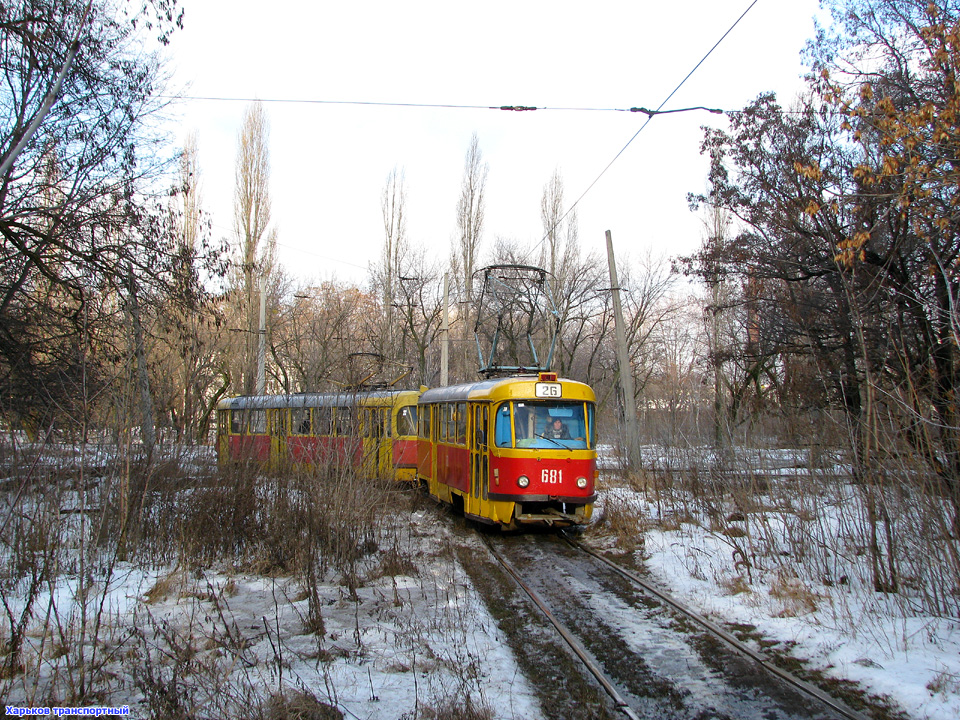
(511, 451)
(374, 431)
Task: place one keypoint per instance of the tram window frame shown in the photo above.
(460, 424)
(345, 421)
(592, 424)
(323, 421)
(524, 415)
(257, 422)
(503, 425)
(237, 421)
(373, 423)
(301, 422)
(423, 422)
(444, 423)
(351, 420)
(406, 422)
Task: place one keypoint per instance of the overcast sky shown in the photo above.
(330, 162)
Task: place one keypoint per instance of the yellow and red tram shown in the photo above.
(511, 451)
(374, 431)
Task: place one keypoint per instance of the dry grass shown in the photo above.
(794, 596)
(620, 521)
(73, 522)
(300, 705)
(736, 585)
(945, 683)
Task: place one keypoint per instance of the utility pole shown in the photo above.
(445, 334)
(631, 428)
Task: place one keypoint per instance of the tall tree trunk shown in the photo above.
(147, 423)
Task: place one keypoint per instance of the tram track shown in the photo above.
(653, 656)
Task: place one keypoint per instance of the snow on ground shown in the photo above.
(402, 646)
(844, 630)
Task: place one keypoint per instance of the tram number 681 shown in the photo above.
(551, 477)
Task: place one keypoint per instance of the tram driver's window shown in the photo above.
(501, 430)
(524, 424)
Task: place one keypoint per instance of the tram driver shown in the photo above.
(557, 430)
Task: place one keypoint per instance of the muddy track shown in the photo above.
(565, 688)
(661, 664)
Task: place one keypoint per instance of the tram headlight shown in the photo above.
(581, 482)
(523, 481)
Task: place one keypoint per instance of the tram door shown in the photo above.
(385, 450)
(278, 429)
(479, 452)
(375, 433)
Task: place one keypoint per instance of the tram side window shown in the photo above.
(423, 419)
(461, 423)
(258, 422)
(345, 421)
(236, 422)
(373, 423)
(300, 421)
(450, 413)
(323, 421)
(446, 421)
(407, 420)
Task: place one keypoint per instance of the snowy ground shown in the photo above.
(415, 638)
(844, 630)
(405, 646)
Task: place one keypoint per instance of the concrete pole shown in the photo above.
(445, 334)
(631, 427)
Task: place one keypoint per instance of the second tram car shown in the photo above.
(372, 430)
(511, 451)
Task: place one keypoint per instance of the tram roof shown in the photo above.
(309, 400)
(516, 386)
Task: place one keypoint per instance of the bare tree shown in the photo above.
(73, 221)
(394, 249)
(251, 220)
(421, 293)
(552, 215)
(470, 215)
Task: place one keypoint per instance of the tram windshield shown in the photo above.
(526, 424)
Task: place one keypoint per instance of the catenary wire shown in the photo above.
(650, 117)
(435, 106)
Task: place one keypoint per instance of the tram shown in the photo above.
(374, 431)
(511, 451)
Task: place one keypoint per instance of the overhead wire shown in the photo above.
(455, 106)
(433, 106)
(650, 115)
(519, 108)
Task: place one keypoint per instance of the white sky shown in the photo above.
(329, 163)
